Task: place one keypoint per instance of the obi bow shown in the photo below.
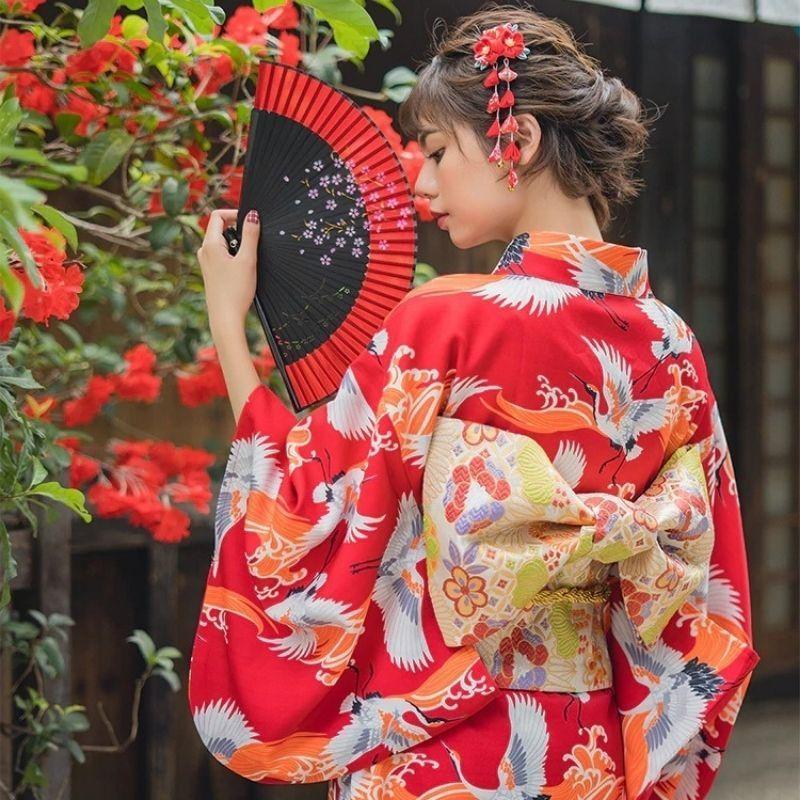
(502, 526)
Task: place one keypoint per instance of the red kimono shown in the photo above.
(505, 561)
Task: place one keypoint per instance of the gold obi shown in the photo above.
(519, 564)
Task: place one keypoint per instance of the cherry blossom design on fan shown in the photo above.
(336, 217)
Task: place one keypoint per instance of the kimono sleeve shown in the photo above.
(316, 651)
(680, 700)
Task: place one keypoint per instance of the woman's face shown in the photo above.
(473, 193)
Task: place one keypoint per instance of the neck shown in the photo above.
(545, 207)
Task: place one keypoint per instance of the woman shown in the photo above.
(507, 559)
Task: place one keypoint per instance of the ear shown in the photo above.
(529, 137)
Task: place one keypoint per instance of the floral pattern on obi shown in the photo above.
(520, 565)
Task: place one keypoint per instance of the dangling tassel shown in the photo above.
(511, 152)
(510, 125)
(507, 100)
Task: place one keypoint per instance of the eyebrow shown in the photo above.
(425, 134)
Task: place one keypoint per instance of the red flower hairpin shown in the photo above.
(502, 41)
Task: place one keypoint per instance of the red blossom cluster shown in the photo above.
(66, 89)
(203, 381)
(61, 284)
(144, 482)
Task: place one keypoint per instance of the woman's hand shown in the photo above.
(230, 281)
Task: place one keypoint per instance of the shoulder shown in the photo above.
(443, 294)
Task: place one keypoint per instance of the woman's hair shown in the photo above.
(593, 127)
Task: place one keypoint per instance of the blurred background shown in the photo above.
(720, 221)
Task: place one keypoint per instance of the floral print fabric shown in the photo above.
(318, 653)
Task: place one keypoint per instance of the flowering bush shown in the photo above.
(120, 131)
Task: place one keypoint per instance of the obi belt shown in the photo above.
(521, 566)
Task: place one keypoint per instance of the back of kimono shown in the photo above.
(507, 557)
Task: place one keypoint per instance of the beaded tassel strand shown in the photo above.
(505, 41)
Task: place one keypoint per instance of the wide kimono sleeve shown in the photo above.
(316, 651)
(680, 698)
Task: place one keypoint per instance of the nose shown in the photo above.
(426, 184)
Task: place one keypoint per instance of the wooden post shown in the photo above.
(161, 735)
(54, 577)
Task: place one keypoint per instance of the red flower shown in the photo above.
(233, 181)
(290, 49)
(21, 8)
(213, 72)
(145, 481)
(283, 17)
(16, 48)
(87, 65)
(173, 525)
(32, 93)
(138, 382)
(204, 382)
(264, 362)
(411, 159)
(501, 41)
(58, 296)
(246, 26)
(7, 321)
(82, 410)
(79, 101)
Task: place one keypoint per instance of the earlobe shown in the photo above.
(528, 137)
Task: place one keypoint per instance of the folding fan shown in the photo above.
(338, 236)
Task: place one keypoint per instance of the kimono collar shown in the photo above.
(590, 264)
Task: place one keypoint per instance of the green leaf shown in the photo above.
(389, 5)
(134, 27)
(95, 21)
(170, 677)
(75, 751)
(398, 82)
(8, 565)
(39, 473)
(157, 25)
(145, 644)
(163, 233)
(66, 122)
(169, 652)
(104, 154)
(174, 194)
(11, 286)
(71, 498)
(58, 221)
(29, 155)
(10, 116)
(199, 15)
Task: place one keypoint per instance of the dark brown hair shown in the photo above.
(593, 127)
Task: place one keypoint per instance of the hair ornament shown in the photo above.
(502, 42)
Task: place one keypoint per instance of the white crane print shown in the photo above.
(399, 588)
(519, 291)
(671, 713)
(251, 466)
(676, 336)
(376, 720)
(520, 772)
(624, 419)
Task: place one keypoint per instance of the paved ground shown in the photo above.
(763, 758)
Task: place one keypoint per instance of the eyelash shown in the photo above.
(433, 155)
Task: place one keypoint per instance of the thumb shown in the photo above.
(250, 231)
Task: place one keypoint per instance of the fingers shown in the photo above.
(217, 220)
(250, 231)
